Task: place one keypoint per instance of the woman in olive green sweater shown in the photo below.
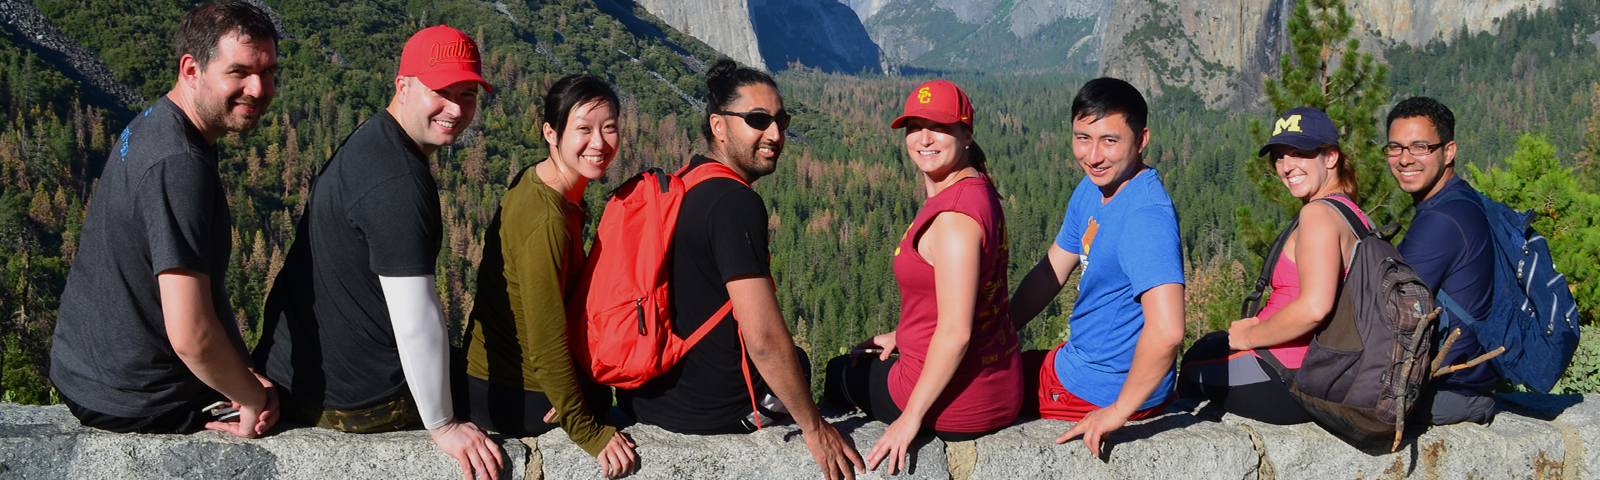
(521, 378)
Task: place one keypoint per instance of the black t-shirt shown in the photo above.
(373, 211)
(721, 235)
(160, 205)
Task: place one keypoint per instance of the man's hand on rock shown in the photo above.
(1095, 426)
(467, 444)
(269, 413)
(243, 426)
(836, 457)
(256, 416)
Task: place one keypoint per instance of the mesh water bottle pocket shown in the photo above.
(1327, 372)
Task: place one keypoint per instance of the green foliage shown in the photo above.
(1583, 375)
(1532, 74)
(1350, 91)
(45, 136)
(23, 383)
(1588, 170)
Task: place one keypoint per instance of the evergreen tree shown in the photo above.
(1325, 69)
(1588, 171)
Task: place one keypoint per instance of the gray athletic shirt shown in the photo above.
(160, 205)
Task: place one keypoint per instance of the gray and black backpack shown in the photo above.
(1368, 361)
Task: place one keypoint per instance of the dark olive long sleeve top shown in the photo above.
(533, 257)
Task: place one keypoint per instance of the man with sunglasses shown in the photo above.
(719, 257)
(1450, 246)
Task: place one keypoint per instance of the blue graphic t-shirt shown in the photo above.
(1126, 246)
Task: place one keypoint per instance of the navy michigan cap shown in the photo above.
(1304, 128)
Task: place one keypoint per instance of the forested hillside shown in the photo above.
(842, 194)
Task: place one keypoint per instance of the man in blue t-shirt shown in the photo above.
(1127, 323)
(1450, 247)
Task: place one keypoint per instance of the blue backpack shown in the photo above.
(1533, 315)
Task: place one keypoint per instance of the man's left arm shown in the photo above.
(1153, 357)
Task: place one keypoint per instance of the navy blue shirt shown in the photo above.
(1451, 248)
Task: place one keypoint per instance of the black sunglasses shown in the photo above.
(761, 120)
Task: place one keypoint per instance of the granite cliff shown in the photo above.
(770, 34)
(991, 35)
(1222, 50)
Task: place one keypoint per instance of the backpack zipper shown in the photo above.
(638, 306)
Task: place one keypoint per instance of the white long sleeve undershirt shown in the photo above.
(419, 334)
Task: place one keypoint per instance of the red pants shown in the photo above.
(1054, 401)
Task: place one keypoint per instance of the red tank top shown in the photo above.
(986, 391)
(1286, 288)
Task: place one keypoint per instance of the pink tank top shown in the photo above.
(1286, 288)
(986, 391)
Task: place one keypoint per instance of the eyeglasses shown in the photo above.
(761, 120)
(1418, 149)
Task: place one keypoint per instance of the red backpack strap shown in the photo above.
(693, 174)
(749, 386)
(744, 365)
(705, 328)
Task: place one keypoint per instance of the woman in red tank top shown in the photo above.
(959, 372)
(1222, 367)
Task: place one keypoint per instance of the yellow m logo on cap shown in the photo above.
(1290, 123)
(924, 96)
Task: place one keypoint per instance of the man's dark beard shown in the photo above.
(745, 158)
(216, 114)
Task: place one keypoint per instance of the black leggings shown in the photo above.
(184, 418)
(516, 412)
(1243, 385)
(862, 381)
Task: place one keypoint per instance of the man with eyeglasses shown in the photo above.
(720, 258)
(1450, 246)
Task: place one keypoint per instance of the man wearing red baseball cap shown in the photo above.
(354, 335)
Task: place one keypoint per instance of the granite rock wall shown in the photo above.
(1534, 436)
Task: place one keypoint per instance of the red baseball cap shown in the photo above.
(937, 100)
(441, 56)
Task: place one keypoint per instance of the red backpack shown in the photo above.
(626, 316)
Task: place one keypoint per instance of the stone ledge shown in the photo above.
(1535, 436)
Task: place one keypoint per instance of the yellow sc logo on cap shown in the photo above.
(924, 96)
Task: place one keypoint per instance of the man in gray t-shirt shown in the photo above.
(145, 338)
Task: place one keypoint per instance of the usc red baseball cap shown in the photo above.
(441, 56)
(937, 100)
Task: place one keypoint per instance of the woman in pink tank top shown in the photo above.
(959, 372)
(1223, 367)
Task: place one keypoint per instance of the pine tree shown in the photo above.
(1589, 158)
(1325, 69)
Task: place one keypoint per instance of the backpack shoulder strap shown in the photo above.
(1443, 300)
(1351, 218)
(694, 174)
(1284, 373)
(1252, 303)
